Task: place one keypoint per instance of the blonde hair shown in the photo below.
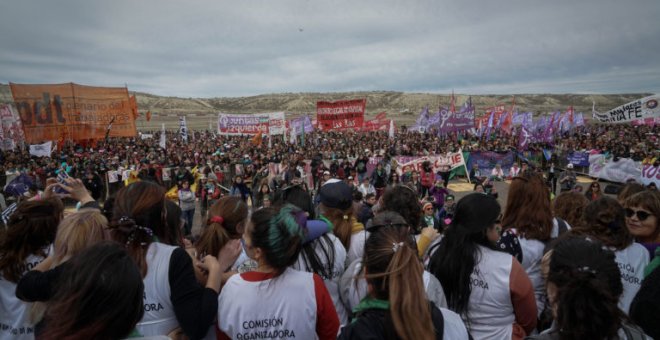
(78, 231)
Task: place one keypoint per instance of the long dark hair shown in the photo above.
(589, 285)
(30, 229)
(404, 201)
(99, 296)
(138, 218)
(458, 252)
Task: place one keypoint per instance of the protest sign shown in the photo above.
(578, 158)
(242, 124)
(646, 107)
(340, 115)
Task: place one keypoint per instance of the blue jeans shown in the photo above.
(188, 216)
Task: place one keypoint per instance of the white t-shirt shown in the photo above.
(631, 261)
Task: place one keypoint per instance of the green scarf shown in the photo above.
(371, 303)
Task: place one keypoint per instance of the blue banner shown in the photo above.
(486, 161)
(578, 158)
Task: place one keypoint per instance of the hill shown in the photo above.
(401, 106)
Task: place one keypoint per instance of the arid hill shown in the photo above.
(402, 107)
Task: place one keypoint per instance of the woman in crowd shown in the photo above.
(239, 188)
(604, 220)
(394, 180)
(584, 287)
(275, 299)
(429, 219)
(99, 296)
(187, 204)
(264, 192)
(628, 190)
(172, 296)
(569, 206)
(337, 209)
(488, 288)
(23, 245)
(528, 226)
(225, 225)
(397, 306)
(75, 233)
(594, 192)
(642, 219)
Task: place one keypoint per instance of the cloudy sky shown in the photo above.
(248, 47)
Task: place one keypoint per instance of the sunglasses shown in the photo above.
(428, 209)
(641, 214)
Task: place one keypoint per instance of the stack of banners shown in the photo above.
(341, 115)
(486, 161)
(11, 132)
(248, 124)
(639, 109)
(622, 170)
(41, 150)
(300, 124)
(73, 112)
(650, 174)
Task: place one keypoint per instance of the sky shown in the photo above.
(217, 48)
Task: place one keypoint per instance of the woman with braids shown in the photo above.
(172, 296)
(396, 306)
(489, 289)
(584, 287)
(30, 231)
(99, 296)
(604, 220)
(275, 301)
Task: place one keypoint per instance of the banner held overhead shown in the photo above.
(341, 115)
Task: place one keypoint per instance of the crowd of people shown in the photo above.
(347, 255)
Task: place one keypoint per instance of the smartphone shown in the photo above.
(61, 178)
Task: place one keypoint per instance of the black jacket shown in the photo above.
(373, 324)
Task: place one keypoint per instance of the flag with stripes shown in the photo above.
(7, 213)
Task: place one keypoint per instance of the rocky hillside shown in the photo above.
(403, 107)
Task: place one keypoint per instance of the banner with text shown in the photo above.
(651, 174)
(298, 124)
(242, 124)
(578, 158)
(341, 115)
(41, 150)
(276, 123)
(639, 109)
(72, 111)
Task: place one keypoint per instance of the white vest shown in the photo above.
(331, 283)
(490, 310)
(532, 251)
(159, 317)
(283, 307)
(454, 328)
(15, 314)
(353, 288)
(356, 249)
(631, 262)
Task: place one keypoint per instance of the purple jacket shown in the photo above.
(438, 195)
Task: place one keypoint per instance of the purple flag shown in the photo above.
(524, 139)
(579, 119)
(458, 121)
(422, 122)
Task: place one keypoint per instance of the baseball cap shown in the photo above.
(326, 172)
(570, 166)
(336, 194)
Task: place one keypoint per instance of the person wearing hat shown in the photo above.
(428, 218)
(336, 208)
(568, 178)
(366, 187)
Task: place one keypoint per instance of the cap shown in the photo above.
(449, 198)
(570, 166)
(350, 177)
(326, 172)
(336, 194)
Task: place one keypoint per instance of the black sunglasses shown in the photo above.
(641, 214)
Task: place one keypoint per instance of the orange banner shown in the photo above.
(72, 111)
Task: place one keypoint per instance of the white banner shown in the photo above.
(41, 150)
(438, 162)
(113, 176)
(619, 171)
(276, 123)
(650, 174)
(183, 129)
(639, 109)
(162, 143)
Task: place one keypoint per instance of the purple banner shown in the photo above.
(297, 125)
(486, 161)
(578, 158)
(457, 121)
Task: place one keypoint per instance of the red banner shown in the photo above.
(341, 115)
(376, 125)
(73, 112)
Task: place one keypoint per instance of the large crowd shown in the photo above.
(327, 250)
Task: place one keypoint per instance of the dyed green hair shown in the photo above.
(279, 233)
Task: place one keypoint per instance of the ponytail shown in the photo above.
(135, 238)
(279, 234)
(395, 273)
(226, 218)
